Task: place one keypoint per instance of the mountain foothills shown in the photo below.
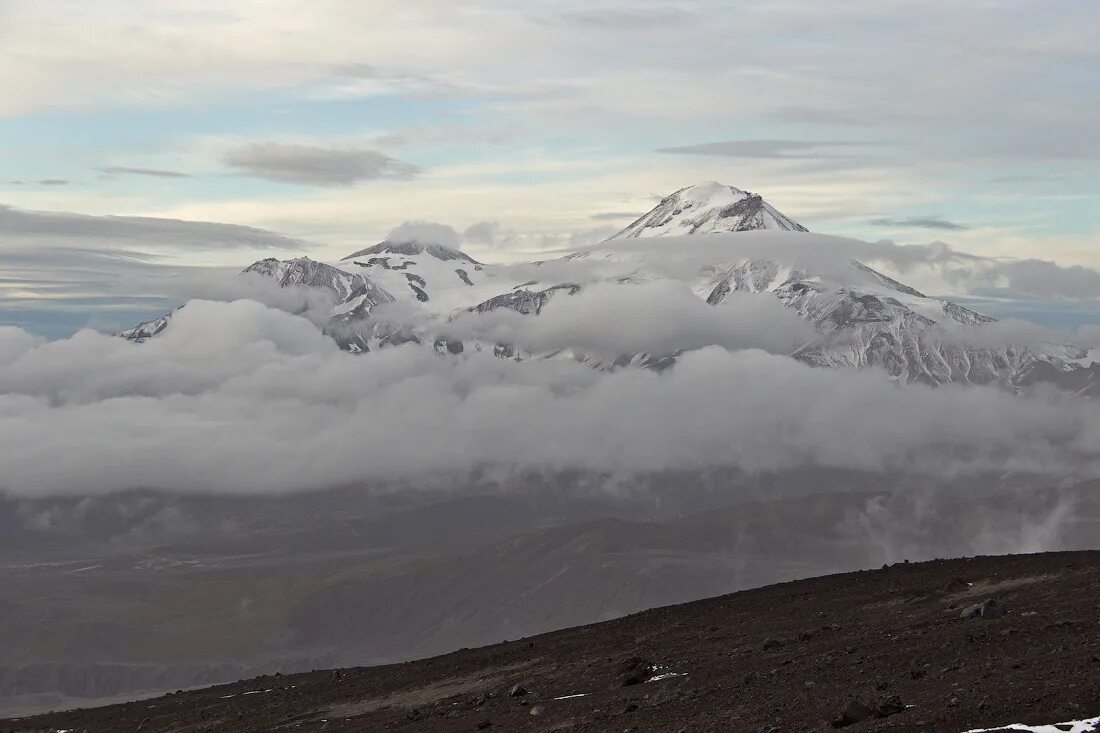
(718, 241)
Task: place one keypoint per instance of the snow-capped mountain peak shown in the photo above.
(707, 208)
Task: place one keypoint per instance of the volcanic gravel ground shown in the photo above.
(879, 650)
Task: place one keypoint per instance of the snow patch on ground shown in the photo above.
(242, 694)
(665, 676)
(1090, 725)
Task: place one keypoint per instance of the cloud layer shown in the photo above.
(425, 232)
(658, 318)
(239, 397)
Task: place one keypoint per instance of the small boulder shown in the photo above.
(956, 585)
(988, 609)
(855, 712)
(772, 643)
(890, 706)
(517, 691)
(634, 671)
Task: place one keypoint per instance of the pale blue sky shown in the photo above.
(331, 122)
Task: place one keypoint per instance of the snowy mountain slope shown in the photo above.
(304, 272)
(438, 277)
(146, 329)
(707, 208)
(354, 296)
(870, 320)
(527, 302)
(1076, 376)
(864, 318)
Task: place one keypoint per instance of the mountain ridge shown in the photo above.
(864, 318)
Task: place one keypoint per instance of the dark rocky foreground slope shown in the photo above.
(875, 650)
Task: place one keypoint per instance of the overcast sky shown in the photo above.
(332, 121)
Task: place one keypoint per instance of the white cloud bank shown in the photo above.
(239, 397)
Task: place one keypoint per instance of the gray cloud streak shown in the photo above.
(316, 166)
(151, 172)
(922, 222)
(619, 20)
(616, 215)
(43, 182)
(773, 149)
(136, 230)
